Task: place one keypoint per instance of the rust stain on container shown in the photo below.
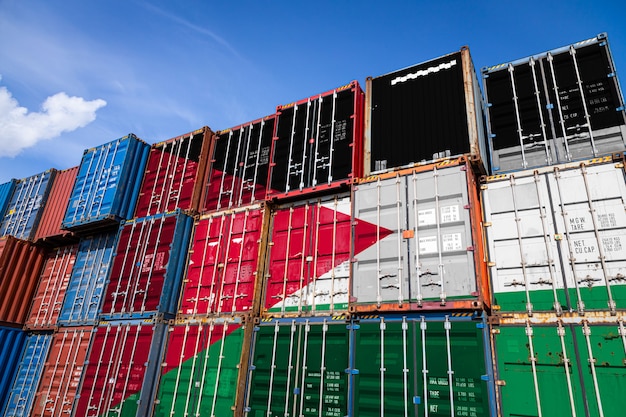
(49, 230)
(20, 266)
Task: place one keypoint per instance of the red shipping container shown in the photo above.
(20, 267)
(62, 372)
(49, 229)
(50, 292)
(226, 256)
(122, 368)
(239, 165)
(174, 174)
(318, 144)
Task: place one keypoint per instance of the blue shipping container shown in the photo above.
(148, 267)
(6, 192)
(11, 347)
(24, 388)
(26, 205)
(107, 184)
(85, 289)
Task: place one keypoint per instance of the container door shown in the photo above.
(309, 258)
(524, 250)
(256, 160)
(590, 216)
(298, 369)
(381, 272)
(419, 367)
(441, 259)
(200, 372)
(24, 210)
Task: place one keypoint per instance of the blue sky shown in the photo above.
(76, 74)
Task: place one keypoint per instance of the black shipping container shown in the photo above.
(423, 113)
(559, 106)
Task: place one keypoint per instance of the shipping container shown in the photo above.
(203, 368)
(298, 368)
(50, 293)
(422, 365)
(22, 393)
(423, 113)
(121, 367)
(148, 267)
(20, 267)
(62, 372)
(6, 192)
(226, 261)
(308, 268)
(85, 290)
(556, 237)
(107, 185)
(555, 107)
(239, 165)
(567, 366)
(426, 249)
(26, 205)
(12, 341)
(318, 144)
(49, 229)
(175, 174)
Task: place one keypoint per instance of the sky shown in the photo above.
(76, 74)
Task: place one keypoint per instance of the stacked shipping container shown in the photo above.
(302, 287)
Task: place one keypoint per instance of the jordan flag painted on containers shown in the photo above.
(201, 368)
(309, 256)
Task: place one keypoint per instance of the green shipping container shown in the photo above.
(201, 367)
(422, 366)
(561, 367)
(298, 368)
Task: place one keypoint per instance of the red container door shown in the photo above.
(62, 372)
(223, 263)
(140, 267)
(115, 371)
(53, 283)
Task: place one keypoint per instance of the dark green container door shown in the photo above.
(589, 386)
(415, 367)
(298, 369)
(200, 370)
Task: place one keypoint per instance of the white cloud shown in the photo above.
(21, 129)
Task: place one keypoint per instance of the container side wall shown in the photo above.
(12, 342)
(22, 393)
(49, 229)
(48, 298)
(6, 192)
(85, 290)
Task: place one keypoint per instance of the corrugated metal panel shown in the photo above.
(22, 393)
(556, 238)
(49, 230)
(561, 369)
(122, 365)
(239, 165)
(62, 372)
(175, 174)
(558, 106)
(318, 143)
(85, 290)
(20, 268)
(298, 368)
(422, 366)
(202, 370)
(309, 258)
(6, 192)
(107, 184)
(225, 263)
(426, 250)
(148, 267)
(11, 347)
(24, 210)
(425, 112)
(50, 293)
